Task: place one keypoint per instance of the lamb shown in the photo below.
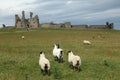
(58, 53)
(74, 60)
(44, 64)
(86, 42)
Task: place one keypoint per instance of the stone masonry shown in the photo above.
(32, 22)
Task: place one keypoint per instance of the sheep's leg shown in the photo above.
(41, 71)
(79, 69)
(74, 68)
(71, 66)
(62, 60)
(48, 72)
(59, 60)
(55, 58)
(44, 72)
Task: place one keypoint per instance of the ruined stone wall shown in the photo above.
(17, 21)
(19, 24)
(45, 25)
(23, 20)
(97, 27)
(32, 22)
(67, 25)
(110, 25)
(80, 26)
(49, 25)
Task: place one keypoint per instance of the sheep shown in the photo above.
(58, 53)
(86, 42)
(44, 64)
(23, 37)
(74, 60)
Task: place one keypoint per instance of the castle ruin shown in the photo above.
(32, 22)
(55, 25)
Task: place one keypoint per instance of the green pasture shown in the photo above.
(19, 57)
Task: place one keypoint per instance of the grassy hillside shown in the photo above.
(19, 57)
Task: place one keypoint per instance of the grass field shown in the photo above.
(19, 57)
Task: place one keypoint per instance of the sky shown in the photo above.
(90, 12)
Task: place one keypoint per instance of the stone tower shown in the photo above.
(23, 19)
(18, 22)
(67, 25)
(32, 22)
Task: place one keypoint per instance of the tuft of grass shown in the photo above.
(57, 72)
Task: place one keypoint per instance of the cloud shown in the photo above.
(69, 2)
(76, 11)
(112, 13)
(14, 3)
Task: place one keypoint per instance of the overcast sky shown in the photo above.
(59, 11)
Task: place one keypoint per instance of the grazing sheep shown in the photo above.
(86, 42)
(23, 37)
(58, 53)
(44, 64)
(74, 60)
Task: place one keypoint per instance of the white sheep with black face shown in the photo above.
(74, 60)
(86, 42)
(44, 64)
(58, 53)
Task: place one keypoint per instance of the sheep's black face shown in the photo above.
(60, 60)
(61, 52)
(68, 52)
(58, 46)
(41, 52)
